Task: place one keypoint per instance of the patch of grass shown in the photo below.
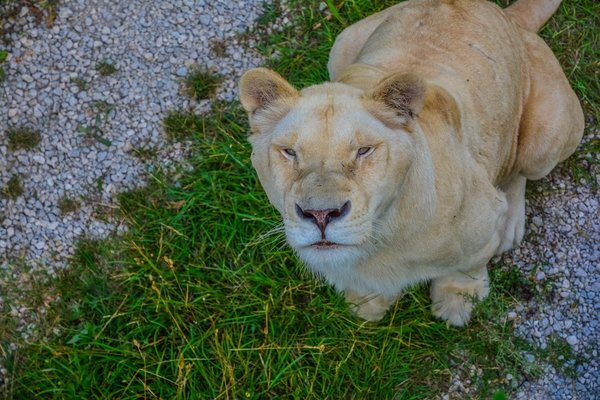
(144, 153)
(21, 311)
(89, 253)
(514, 283)
(500, 395)
(492, 342)
(13, 188)
(105, 68)
(80, 83)
(561, 356)
(218, 47)
(22, 138)
(3, 57)
(103, 107)
(42, 10)
(95, 131)
(270, 12)
(182, 125)
(45, 303)
(200, 84)
(100, 183)
(67, 205)
(202, 299)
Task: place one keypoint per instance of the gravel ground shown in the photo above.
(53, 87)
(561, 254)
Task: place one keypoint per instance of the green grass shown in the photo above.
(181, 125)
(105, 68)
(269, 14)
(22, 138)
(96, 130)
(3, 57)
(80, 83)
(67, 205)
(200, 84)
(560, 354)
(13, 188)
(198, 301)
(144, 153)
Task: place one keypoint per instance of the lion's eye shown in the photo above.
(364, 151)
(289, 153)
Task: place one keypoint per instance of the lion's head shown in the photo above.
(335, 161)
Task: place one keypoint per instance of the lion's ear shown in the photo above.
(403, 93)
(261, 87)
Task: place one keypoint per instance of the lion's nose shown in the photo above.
(323, 217)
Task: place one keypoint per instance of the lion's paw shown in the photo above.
(371, 308)
(452, 301)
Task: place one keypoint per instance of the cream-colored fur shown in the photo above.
(411, 164)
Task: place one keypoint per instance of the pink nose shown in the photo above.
(323, 217)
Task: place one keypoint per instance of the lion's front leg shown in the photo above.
(515, 218)
(452, 295)
(371, 307)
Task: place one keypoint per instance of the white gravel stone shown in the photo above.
(572, 340)
(565, 250)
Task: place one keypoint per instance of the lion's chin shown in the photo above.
(322, 257)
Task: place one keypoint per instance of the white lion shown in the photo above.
(411, 164)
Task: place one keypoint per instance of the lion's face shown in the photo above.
(332, 165)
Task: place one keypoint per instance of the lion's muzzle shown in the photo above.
(323, 217)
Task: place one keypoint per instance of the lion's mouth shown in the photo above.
(324, 244)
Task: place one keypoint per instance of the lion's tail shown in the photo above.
(531, 15)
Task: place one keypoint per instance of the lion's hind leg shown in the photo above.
(552, 121)
(351, 41)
